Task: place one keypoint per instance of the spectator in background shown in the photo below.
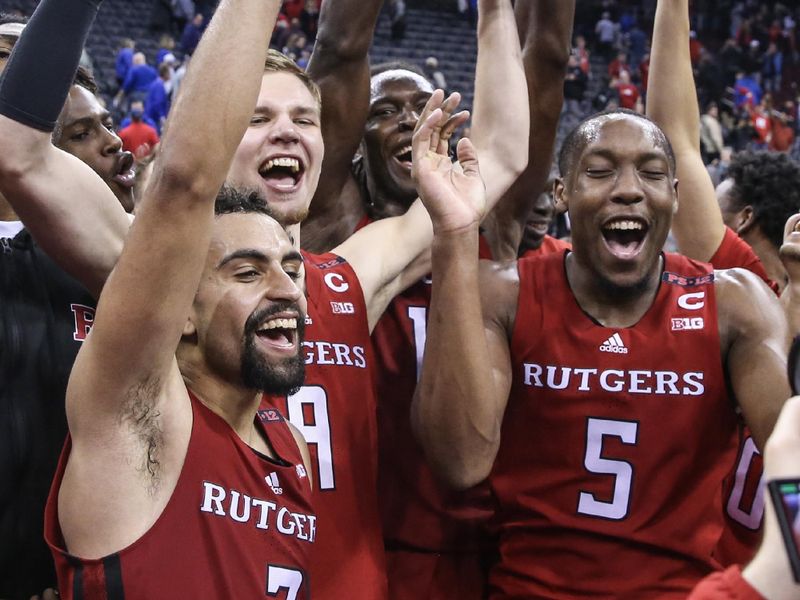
(711, 142)
(124, 60)
(191, 34)
(627, 92)
(637, 45)
(644, 72)
(397, 17)
(730, 58)
(747, 91)
(434, 73)
(761, 118)
(182, 11)
(156, 105)
(619, 64)
(574, 87)
(166, 45)
(783, 129)
(136, 106)
(138, 137)
(695, 48)
(309, 18)
(581, 53)
(293, 8)
(606, 31)
(772, 69)
(137, 82)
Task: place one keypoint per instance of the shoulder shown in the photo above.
(745, 305)
(500, 288)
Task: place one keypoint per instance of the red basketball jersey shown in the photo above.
(432, 534)
(615, 442)
(238, 525)
(335, 411)
(745, 491)
(549, 244)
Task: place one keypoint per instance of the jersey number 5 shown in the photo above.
(596, 430)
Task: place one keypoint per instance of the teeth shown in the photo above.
(279, 324)
(284, 161)
(624, 225)
(402, 151)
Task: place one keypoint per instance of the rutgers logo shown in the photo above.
(336, 282)
(83, 319)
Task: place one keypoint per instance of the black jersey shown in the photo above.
(44, 316)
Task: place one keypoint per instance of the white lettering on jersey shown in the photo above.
(266, 515)
(343, 308)
(687, 324)
(613, 380)
(336, 282)
(692, 301)
(330, 353)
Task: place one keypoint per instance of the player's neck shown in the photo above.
(382, 204)
(768, 255)
(6, 212)
(236, 404)
(609, 306)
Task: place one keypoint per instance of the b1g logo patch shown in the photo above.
(343, 308)
(687, 324)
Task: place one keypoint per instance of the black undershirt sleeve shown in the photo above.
(41, 69)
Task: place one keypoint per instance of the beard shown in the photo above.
(278, 377)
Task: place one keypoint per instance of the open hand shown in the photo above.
(790, 250)
(453, 194)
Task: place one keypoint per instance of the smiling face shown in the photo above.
(280, 155)
(621, 194)
(86, 131)
(397, 98)
(248, 314)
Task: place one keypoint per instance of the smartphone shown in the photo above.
(785, 494)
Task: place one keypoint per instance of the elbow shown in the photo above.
(180, 180)
(343, 48)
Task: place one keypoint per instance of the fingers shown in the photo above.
(792, 226)
(468, 158)
(434, 102)
(449, 128)
(421, 140)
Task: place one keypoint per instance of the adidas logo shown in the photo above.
(272, 482)
(614, 344)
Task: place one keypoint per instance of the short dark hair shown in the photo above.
(396, 65)
(231, 200)
(576, 140)
(770, 183)
(85, 79)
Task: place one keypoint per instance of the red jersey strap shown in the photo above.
(725, 585)
(734, 252)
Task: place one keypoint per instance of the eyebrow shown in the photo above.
(254, 254)
(301, 109)
(89, 120)
(608, 154)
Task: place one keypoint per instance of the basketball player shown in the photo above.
(590, 388)
(168, 469)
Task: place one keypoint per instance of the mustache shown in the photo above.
(258, 316)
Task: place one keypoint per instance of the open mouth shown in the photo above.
(282, 173)
(624, 236)
(403, 156)
(279, 333)
(125, 172)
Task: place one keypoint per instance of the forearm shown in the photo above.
(546, 28)
(218, 95)
(500, 116)
(672, 104)
(340, 66)
(453, 413)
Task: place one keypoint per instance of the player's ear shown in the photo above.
(745, 220)
(558, 195)
(675, 200)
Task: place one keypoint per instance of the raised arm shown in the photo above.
(391, 255)
(545, 27)
(340, 66)
(672, 103)
(466, 375)
(500, 120)
(53, 192)
(754, 326)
